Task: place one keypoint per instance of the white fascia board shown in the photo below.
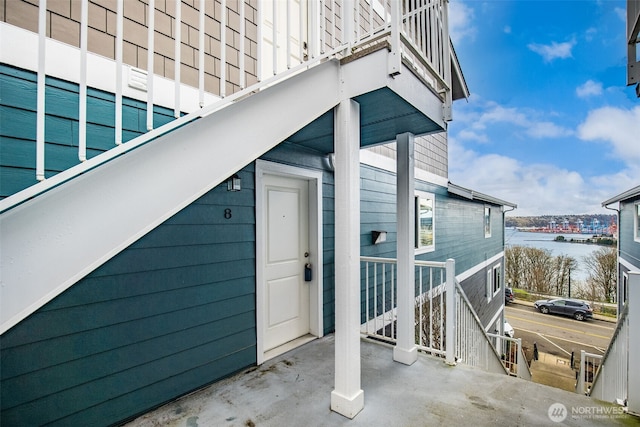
(479, 267)
(628, 265)
(63, 62)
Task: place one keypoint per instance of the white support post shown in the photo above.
(450, 320)
(405, 350)
(519, 359)
(347, 398)
(633, 381)
(580, 383)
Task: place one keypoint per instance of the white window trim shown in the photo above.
(493, 274)
(488, 286)
(425, 249)
(636, 224)
(484, 215)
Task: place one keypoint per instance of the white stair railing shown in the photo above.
(444, 326)
(589, 365)
(473, 345)
(609, 382)
(422, 42)
(512, 356)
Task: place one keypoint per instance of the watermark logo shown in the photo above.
(557, 412)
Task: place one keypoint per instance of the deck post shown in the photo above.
(405, 350)
(347, 398)
(633, 381)
(450, 319)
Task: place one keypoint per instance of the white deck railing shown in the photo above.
(416, 32)
(589, 366)
(512, 355)
(473, 345)
(609, 381)
(463, 338)
(380, 302)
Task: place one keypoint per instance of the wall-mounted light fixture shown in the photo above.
(234, 183)
(378, 236)
(330, 160)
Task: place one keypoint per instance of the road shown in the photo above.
(558, 335)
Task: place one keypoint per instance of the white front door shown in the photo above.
(286, 210)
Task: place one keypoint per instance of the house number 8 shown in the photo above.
(227, 213)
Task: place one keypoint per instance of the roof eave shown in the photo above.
(475, 195)
(634, 192)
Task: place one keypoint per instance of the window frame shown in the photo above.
(636, 221)
(420, 249)
(496, 279)
(486, 224)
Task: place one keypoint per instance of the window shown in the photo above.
(496, 279)
(425, 221)
(636, 222)
(494, 282)
(487, 221)
(624, 294)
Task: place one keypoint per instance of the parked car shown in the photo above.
(508, 295)
(508, 329)
(579, 310)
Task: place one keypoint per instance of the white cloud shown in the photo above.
(461, 19)
(545, 129)
(507, 29)
(493, 113)
(537, 189)
(589, 88)
(590, 34)
(622, 13)
(616, 126)
(549, 52)
(469, 135)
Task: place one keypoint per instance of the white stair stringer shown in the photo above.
(53, 240)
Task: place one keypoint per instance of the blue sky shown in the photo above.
(550, 124)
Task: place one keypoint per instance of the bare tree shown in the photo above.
(563, 265)
(515, 266)
(602, 266)
(539, 269)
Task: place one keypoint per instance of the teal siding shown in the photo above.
(459, 230)
(459, 234)
(173, 312)
(18, 130)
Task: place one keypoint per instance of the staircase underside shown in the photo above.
(53, 240)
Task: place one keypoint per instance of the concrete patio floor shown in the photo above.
(294, 390)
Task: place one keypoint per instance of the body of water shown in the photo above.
(578, 251)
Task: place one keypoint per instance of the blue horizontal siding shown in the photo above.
(168, 315)
(458, 232)
(171, 313)
(18, 130)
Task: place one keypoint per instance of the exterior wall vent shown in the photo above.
(137, 78)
